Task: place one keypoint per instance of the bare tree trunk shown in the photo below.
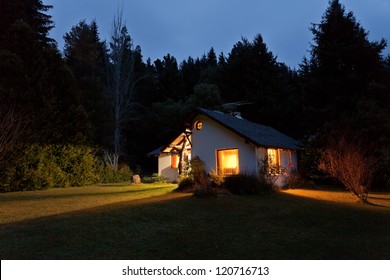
(120, 82)
(11, 127)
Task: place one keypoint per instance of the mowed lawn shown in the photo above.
(152, 222)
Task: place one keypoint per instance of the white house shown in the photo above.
(228, 145)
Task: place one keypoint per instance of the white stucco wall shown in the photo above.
(165, 170)
(213, 137)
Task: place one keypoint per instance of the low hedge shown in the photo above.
(246, 184)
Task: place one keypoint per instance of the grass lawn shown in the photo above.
(152, 222)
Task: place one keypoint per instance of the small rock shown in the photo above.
(136, 179)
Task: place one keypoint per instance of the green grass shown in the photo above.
(152, 222)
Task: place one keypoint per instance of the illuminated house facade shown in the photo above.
(228, 145)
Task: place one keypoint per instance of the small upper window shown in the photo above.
(198, 125)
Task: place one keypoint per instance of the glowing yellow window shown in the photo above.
(273, 161)
(175, 161)
(227, 162)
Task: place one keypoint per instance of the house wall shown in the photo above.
(213, 137)
(165, 170)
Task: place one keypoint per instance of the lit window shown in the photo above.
(227, 162)
(273, 161)
(175, 161)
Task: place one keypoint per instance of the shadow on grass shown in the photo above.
(178, 226)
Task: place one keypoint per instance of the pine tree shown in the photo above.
(343, 63)
(44, 90)
(344, 91)
(85, 54)
(31, 12)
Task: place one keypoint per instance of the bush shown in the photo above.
(208, 190)
(37, 167)
(246, 184)
(186, 184)
(110, 175)
(41, 167)
(198, 171)
(155, 178)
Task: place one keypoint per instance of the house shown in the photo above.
(228, 145)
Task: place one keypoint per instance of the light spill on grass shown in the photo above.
(21, 206)
(342, 196)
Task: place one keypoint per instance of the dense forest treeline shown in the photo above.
(106, 96)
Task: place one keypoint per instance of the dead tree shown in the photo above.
(120, 84)
(11, 127)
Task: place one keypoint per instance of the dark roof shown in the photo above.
(156, 152)
(258, 134)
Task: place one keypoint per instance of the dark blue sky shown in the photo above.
(191, 27)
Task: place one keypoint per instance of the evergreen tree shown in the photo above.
(344, 90)
(44, 90)
(31, 12)
(169, 82)
(251, 73)
(343, 63)
(85, 54)
(212, 58)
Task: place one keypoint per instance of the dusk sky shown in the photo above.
(191, 27)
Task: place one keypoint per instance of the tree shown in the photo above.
(348, 162)
(169, 81)
(252, 73)
(121, 81)
(43, 89)
(343, 85)
(31, 12)
(205, 96)
(85, 54)
(342, 66)
(11, 127)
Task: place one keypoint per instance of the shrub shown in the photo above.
(351, 163)
(186, 184)
(37, 167)
(155, 178)
(246, 184)
(208, 190)
(198, 171)
(110, 175)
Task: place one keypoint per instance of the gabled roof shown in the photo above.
(174, 146)
(259, 135)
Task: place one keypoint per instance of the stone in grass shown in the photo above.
(136, 179)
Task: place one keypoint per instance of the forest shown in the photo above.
(101, 104)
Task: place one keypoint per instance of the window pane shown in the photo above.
(227, 162)
(273, 161)
(174, 161)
